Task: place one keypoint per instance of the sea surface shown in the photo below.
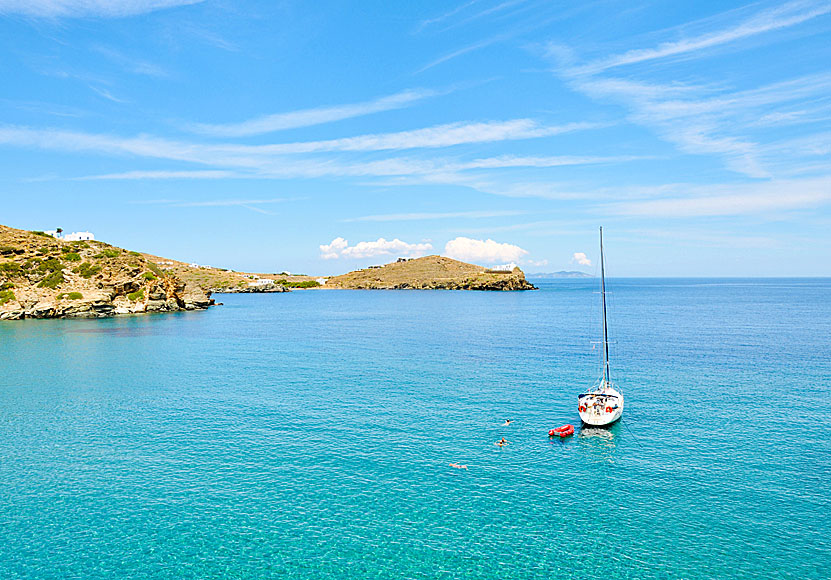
(310, 435)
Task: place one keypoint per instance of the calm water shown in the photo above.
(308, 435)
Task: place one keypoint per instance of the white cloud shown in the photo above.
(482, 251)
(87, 8)
(340, 248)
(315, 116)
(332, 250)
(580, 259)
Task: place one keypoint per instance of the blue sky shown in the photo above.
(320, 137)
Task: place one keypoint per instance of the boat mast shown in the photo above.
(603, 299)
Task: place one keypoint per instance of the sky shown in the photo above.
(319, 137)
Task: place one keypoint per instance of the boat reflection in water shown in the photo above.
(600, 443)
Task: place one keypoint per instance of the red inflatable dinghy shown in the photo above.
(562, 432)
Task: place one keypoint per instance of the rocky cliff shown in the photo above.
(42, 277)
(431, 273)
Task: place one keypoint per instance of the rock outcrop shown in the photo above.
(43, 277)
(431, 273)
(256, 289)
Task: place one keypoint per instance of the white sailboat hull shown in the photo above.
(600, 408)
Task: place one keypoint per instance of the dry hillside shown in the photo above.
(430, 273)
(43, 277)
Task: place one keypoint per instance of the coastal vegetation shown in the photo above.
(70, 296)
(6, 296)
(298, 284)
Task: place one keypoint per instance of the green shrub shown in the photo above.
(45, 249)
(155, 269)
(111, 253)
(149, 276)
(304, 284)
(51, 265)
(31, 263)
(53, 280)
(87, 270)
(5, 296)
(10, 268)
(6, 285)
(79, 244)
(134, 254)
(6, 250)
(72, 257)
(137, 295)
(40, 233)
(71, 296)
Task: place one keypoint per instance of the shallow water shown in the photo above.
(309, 435)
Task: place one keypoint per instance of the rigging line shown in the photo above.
(631, 433)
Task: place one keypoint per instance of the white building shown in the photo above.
(503, 268)
(73, 237)
(78, 237)
(261, 282)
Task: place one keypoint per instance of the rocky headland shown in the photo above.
(44, 277)
(431, 273)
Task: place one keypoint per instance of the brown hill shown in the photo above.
(430, 273)
(43, 277)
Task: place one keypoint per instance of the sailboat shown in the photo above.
(602, 404)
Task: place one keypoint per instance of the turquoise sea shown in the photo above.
(309, 435)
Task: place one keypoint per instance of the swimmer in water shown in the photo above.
(501, 442)
(507, 422)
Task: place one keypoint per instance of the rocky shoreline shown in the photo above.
(259, 289)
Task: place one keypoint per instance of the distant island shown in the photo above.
(431, 273)
(561, 274)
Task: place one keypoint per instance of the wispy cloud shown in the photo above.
(787, 15)
(129, 175)
(268, 158)
(249, 204)
(704, 120)
(735, 199)
(315, 116)
(87, 8)
(450, 13)
(438, 136)
(232, 202)
(135, 65)
(400, 217)
(462, 51)
(707, 119)
(106, 94)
